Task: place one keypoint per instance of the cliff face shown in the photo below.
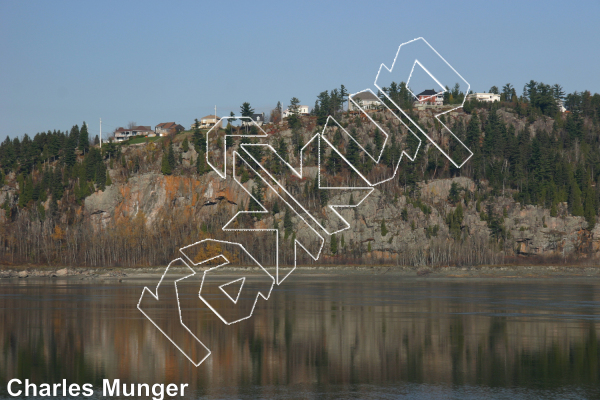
(424, 214)
(413, 233)
(153, 193)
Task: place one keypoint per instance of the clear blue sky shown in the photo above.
(65, 62)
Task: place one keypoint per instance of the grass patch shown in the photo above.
(141, 139)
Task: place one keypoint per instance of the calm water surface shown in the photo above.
(319, 337)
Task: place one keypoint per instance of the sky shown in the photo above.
(66, 62)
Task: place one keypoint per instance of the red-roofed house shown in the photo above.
(431, 96)
(164, 128)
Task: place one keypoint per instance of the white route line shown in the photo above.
(156, 297)
(273, 184)
(438, 115)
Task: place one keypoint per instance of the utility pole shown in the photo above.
(100, 133)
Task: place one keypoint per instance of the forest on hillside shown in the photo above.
(46, 178)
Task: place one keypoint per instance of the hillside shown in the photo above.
(528, 194)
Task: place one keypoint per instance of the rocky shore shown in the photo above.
(502, 271)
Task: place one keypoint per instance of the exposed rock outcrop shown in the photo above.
(529, 230)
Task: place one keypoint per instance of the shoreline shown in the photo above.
(484, 271)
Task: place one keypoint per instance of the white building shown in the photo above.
(259, 119)
(302, 110)
(208, 122)
(488, 97)
(122, 134)
(367, 100)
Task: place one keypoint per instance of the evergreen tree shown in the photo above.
(229, 141)
(69, 156)
(84, 138)
(454, 221)
(473, 133)
(384, 230)
(201, 166)
(185, 146)
(590, 207)
(101, 176)
(454, 195)
(334, 244)
(165, 165)
(26, 194)
(323, 109)
(343, 95)
(74, 136)
(323, 197)
(575, 199)
(198, 139)
(378, 141)
(245, 176)
(287, 224)
(171, 157)
(353, 151)
(246, 110)
(294, 109)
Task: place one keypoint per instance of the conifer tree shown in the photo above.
(69, 155)
(334, 244)
(198, 139)
(165, 165)
(84, 138)
(590, 207)
(287, 224)
(201, 167)
(575, 199)
(26, 194)
(384, 230)
(101, 176)
(171, 157)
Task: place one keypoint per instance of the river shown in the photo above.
(355, 336)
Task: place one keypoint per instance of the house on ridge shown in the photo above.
(366, 100)
(122, 134)
(486, 97)
(208, 122)
(431, 97)
(165, 128)
(302, 110)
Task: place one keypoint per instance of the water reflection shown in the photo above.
(351, 337)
